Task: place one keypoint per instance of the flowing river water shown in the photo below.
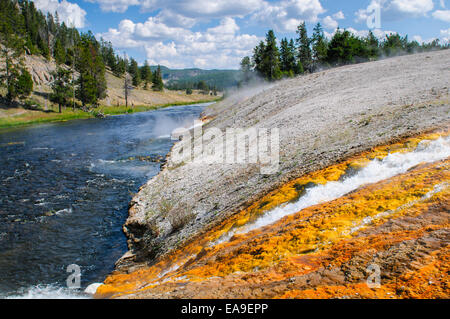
(64, 194)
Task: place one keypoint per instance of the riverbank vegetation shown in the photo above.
(310, 54)
(19, 116)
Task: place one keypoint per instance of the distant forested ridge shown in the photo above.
(307, 54)
(181, 79)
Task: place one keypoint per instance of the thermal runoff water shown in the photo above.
(376, 170)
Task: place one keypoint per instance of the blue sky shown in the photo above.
(218, 33)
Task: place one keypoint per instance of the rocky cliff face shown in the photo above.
(322, 118)
(40, 70)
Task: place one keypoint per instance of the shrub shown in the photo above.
(178, 216)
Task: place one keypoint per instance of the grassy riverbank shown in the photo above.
(12, 117)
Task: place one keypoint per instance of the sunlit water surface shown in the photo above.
(64, 194)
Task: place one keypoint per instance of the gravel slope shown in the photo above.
(323, 118)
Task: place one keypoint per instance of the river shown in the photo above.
(65, 189)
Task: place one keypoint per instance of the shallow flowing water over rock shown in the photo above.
(65, 189)
(375, 171)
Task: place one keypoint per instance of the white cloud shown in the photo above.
(115, 5)
(445, 33)
(160, 49)
(339, 15)
(396, 9)
(173, 19)
(443, 15)
(286, 15)
(445, 36)
(154, 29)
(363, 33)
(208, 8)
(186, 8)
(420, 40)
(69, 13)
(329, 23)
(226, 26)
(221, 46)
(283, 15)
(414, 7)
(380, 34)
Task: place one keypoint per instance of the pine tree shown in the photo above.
(99, 76)
(120, 67)
(346, 48)
(146, 74)
(59, 53)
(202, 86)
(258, 53)
(287, 57)
(298, 66)
(373, 45)
(108, 54)
(304, 49)
(158, 84)
(271, 58)
(394, 44)
(86, 91)
(11, 54)
(319, 46)
(89, 64)
(133, 69)
(43, 47)
(61, 87)
(24, 84)
(246, 70)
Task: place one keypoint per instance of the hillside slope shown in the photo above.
(41, 69)
(43, 110)
(323, 118)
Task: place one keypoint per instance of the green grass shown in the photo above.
(122, 109)
(36, 117)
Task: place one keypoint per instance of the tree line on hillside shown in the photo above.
(309, 54)
(142, 75)
(189, 86)
(81, 59)
(219, 80)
